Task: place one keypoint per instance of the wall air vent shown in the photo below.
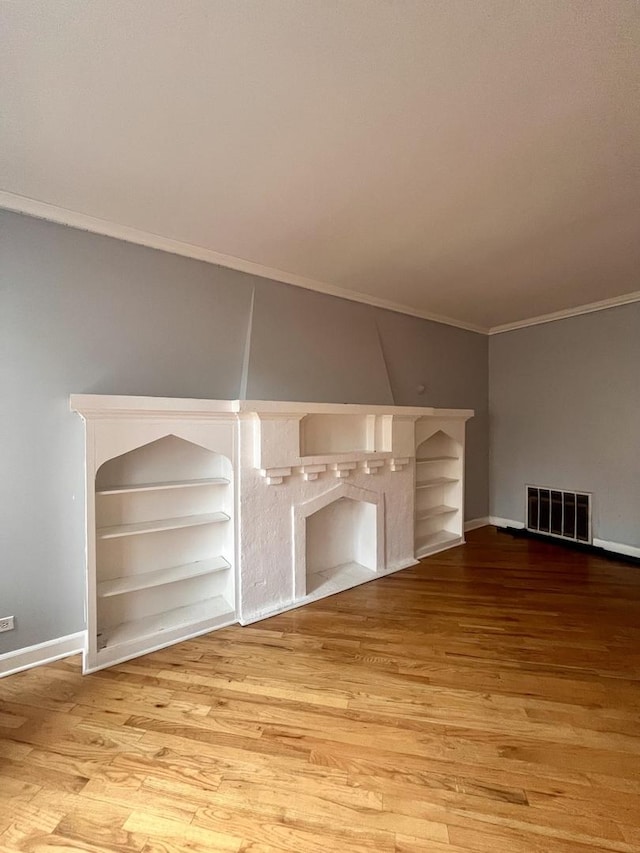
(566, 515)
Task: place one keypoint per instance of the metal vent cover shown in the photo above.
(559, 513)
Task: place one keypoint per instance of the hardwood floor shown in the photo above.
(487, 700)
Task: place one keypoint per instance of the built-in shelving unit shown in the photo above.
(164, 547)
(332, 496)
(438, 495)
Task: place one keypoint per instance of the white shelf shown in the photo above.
(161, 577)
(170, 620)
(438, 481)
(436, 541)
(169, 484)
(434, 511)
(436, 459)
(162, 524)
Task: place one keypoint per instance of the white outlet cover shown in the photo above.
(6, 623)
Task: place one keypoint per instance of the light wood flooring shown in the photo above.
(487, 700)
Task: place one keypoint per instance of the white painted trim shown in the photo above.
(505, 522)
(618, 548)
(588, 308)
(84, 222)
(613, 547)
(112, 406)
(41, 653)
(475, 523)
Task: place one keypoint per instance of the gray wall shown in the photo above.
(565, 412)
(88, 314)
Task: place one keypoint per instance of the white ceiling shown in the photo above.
(474, 160)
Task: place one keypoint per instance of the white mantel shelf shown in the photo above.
(101, 405)
(315, 498)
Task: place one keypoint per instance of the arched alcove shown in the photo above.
(438, 518)
(165, 459)
(164, 540)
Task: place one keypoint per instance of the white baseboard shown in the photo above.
(618, 548)
(475, 523)
(62, 647)
(505, 522)
(613, 547)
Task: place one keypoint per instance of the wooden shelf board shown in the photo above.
(437, 481)
(161, 524)
(433, 511)
(161, 577)
(436, 459)
(154, 626)
(155, 487)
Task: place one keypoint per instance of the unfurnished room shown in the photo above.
(320, 426)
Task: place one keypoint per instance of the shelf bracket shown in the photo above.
(372, 466)
(275, 476)
(311, 472)
(343, 469)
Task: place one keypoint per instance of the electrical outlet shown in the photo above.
(6, 623)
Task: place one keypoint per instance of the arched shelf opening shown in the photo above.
(438, 494)
(164, 541)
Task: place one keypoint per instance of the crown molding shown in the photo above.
(588, 308)
(83, 222)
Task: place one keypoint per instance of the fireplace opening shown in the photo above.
(341, 541)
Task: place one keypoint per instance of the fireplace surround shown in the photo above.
(202, 513)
